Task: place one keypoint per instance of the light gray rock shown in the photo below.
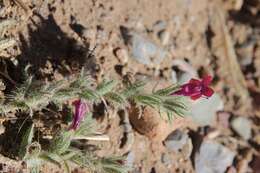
(176, 140)
(184, 78)
(242, 126)
(187, 71)
(174, 77)
(213, 158)
(187, 149)
(159, 25)
(130, 159)
(203, 111)
(166, 159)
(145, 51)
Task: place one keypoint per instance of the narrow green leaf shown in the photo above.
(87, 127)
(89, 94)
(66, 166)
(26, 140)
(61, 142)
(148, 99)
(69, 155)
(52, 157)
(115, 97)
(167, 91)
(106, 87)
(132, 89)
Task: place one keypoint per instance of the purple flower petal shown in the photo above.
(81, 108)
(196, 88)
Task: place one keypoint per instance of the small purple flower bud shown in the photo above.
(81, 108)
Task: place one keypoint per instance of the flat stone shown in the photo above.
(146, 52)
(213, 158)
(176, 140)
(242, 126)
(166, 159)
(159, 25)
(184, 78)
(203, 111)
(130, 159)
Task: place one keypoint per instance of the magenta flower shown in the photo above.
(196, 88)
(81, 108)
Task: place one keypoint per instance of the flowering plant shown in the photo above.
(30, 97)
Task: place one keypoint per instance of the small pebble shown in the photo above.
(164, 37)
(145, 51)
(121, 54)
(184, 78)
(187, 149)
(242, 126)
(185, 67)
(166, 159)
(213, 158)
(223, 119)
(203, 111)
(130, 159)
(159, 25)
(176, 140)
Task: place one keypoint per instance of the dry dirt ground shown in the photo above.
(221, 38)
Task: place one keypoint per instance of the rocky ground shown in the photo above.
(164, 42)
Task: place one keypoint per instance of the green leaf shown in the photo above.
(59, 160)
(52, 157)
(174, 109)
(115, 97)
(100, 165)
(87, 127)
(175, 103)
(89, 94)
(106, 87)
(167, 91)
(26, 140)
(114, 165)
(133, 89)
(35, 169)
(66, 166)
(61, 142)
(148, 100)
(69, 154)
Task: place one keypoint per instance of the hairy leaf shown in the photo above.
(106, 87)
(167, 91)
(61, 142)
(132, 89)
(26, 140)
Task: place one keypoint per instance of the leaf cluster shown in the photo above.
(61, 153)
(32, 96)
